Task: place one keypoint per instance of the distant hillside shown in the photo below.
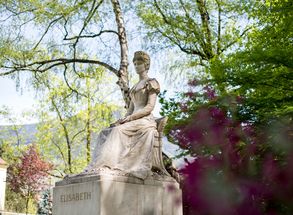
(26, 132)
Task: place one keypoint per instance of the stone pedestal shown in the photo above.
(117, 195)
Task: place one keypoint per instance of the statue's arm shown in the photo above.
(130, 109)
(152, 97)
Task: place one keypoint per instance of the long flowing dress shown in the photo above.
(128, 147)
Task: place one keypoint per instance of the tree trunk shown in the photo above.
(68, 142)
(207, 45)
(123, 81)
(27, 201)
(88, 125)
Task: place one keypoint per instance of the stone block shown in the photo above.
(116, 195)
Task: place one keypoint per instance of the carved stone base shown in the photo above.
(117, 195)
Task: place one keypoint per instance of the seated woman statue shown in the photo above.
(127, 145)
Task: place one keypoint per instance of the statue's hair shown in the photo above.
(144, 57)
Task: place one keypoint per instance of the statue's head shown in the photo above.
(144, 57)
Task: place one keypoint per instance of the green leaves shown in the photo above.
(69, 123)
(262, 72)
(200, 28)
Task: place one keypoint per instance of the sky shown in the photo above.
(17, 102)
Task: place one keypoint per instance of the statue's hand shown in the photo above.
(115, 123)
(125, 119)
(121, 121)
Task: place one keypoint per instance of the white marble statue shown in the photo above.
(127, 145)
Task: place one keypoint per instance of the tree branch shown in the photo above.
(177, 41)
(57, 176)
(60, 151)
(161, 12)
(186, 50)
(46, 31)
(219, 27)
(207, 46)
(92, 35)
(86, 21)
(14, 13)
(68, 85)
(66, 133)
(235, 41)
(56, 62)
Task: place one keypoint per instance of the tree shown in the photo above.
(68, 124)
(13, 140)
(60, 34)
(203, 30)
(28, 176)
(16, 203)
(262, 72)
(68, 39)
(240, 140)
(232, 164)
(11, 134)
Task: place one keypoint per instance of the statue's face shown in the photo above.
(139, 66)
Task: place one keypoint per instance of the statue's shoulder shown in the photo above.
(153, 85)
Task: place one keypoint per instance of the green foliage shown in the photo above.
(38, 35)
(258, 71)
(69, 124)
(262, 72)
(237, 122)
(73, 98)
(12, 145)
(16, 203)
(45, 204)
(200, 28)
(12, 137)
